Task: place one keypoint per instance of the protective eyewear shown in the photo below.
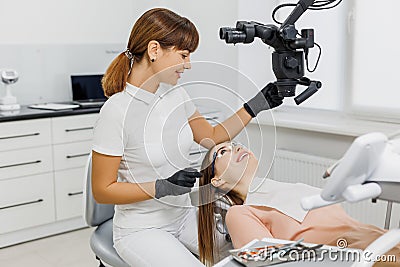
(221, 152)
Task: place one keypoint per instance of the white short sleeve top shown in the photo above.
(152, 134)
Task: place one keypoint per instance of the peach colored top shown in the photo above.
(323, 225)
(273, 210)
(327, 225)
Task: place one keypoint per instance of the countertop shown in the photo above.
(26, 113)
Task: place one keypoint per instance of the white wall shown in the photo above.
(66, 22)
(375, 55)
(212, 81)
(46, 41)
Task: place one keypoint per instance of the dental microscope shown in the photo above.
(8, 102)
(370, 169)
(290, 47)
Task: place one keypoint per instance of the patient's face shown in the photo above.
(234, 164)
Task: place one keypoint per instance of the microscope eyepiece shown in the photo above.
(223, 31)
(232, 35)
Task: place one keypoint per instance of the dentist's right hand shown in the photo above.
(179, 183)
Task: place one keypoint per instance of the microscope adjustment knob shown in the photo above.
(289, 33)
(291, 62)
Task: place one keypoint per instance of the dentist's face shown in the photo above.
(234, 164)
(171, 64)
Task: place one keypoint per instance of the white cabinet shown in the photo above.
(26, 175)
(23, 134)
(41, 175)
(71, 155)
(72, 141)
(73, 128)
(21, 162)
(26, 202)
(69, 192)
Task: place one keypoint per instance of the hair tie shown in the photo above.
(128, 54)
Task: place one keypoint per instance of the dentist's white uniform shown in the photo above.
(152, 134)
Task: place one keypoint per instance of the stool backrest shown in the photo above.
(95, 213)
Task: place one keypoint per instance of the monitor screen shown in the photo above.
(87, 87)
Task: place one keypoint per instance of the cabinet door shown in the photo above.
(73, 128)
(15, 163)
(72, 155)
(24, 134)
(26, 202)
(69, 192)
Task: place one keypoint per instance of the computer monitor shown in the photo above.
(87, 88)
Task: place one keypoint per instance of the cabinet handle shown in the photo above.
(78, 129)
(21, 204)
(211, 118)
(75, 193)
(18, 136)
(77, 155)
(197, 152)
(20, 164)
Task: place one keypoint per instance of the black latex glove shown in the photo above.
(267, 98)
(179, 183)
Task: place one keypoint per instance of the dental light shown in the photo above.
(370, 168)
(288, 57)
(8, 102)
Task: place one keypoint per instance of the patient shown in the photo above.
(272, 211)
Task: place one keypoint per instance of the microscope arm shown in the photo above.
(300, 8)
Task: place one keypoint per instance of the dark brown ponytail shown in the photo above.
(158, 24)
(114, 79)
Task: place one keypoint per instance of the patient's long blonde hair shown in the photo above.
(207, 196)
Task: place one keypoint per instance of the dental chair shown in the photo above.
(368, 169)
(221, 206)
(100, 216)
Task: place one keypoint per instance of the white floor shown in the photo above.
(70, 249)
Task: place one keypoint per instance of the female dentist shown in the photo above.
(145, 130)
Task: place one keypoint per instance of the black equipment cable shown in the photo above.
(318, 5)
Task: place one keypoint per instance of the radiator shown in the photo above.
(296, 167)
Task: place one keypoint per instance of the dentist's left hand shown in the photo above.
(267, 98)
